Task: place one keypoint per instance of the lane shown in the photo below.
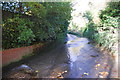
(74, 59)
(86, 60)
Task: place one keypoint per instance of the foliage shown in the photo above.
(50, 22)
(26, 36)
(89, 29)
(74, 33)
(74, 27)
(39, 22)
(105, 33)
(16, 31)
(113, 10)
(58, 15)
(36, 9)
(42, 28)
(88, 15)
(15, 7)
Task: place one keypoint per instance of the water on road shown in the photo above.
(74, 59)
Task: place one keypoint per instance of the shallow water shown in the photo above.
(74, 59)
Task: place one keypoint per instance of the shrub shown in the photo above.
(105, 33)
(17, 32)
(113, 10)
(43, 21)
(50, 19)
(58, 15)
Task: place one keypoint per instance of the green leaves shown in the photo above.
(37, 9)
(110, 21)
(16, 32)
(112, 10)
(35, 22)
(26, 36)
(105, 33)
(61, 14)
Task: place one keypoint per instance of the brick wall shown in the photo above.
(16, 54)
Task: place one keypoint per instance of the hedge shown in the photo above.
(34, 22)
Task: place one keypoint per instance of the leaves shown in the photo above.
(105, 32)
(17, 30)
(26, 36)
(102, 74)
(97, 65)
(86, 73)
(45, 21)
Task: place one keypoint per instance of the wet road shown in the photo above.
(74, 59)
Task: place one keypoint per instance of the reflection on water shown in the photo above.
(82, 64)
(70, 60)
(74, 44)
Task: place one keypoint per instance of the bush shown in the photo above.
(17, 32)
(105, 33)
(58, 15)
(42, 28)
(113, 10)
(51, 19)
(39, 22)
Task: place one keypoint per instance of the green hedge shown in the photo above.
(17, 32)
(106, 32)
(34, 22)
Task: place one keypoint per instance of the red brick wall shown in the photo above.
(12, 55)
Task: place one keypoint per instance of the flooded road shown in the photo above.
(74, 59)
